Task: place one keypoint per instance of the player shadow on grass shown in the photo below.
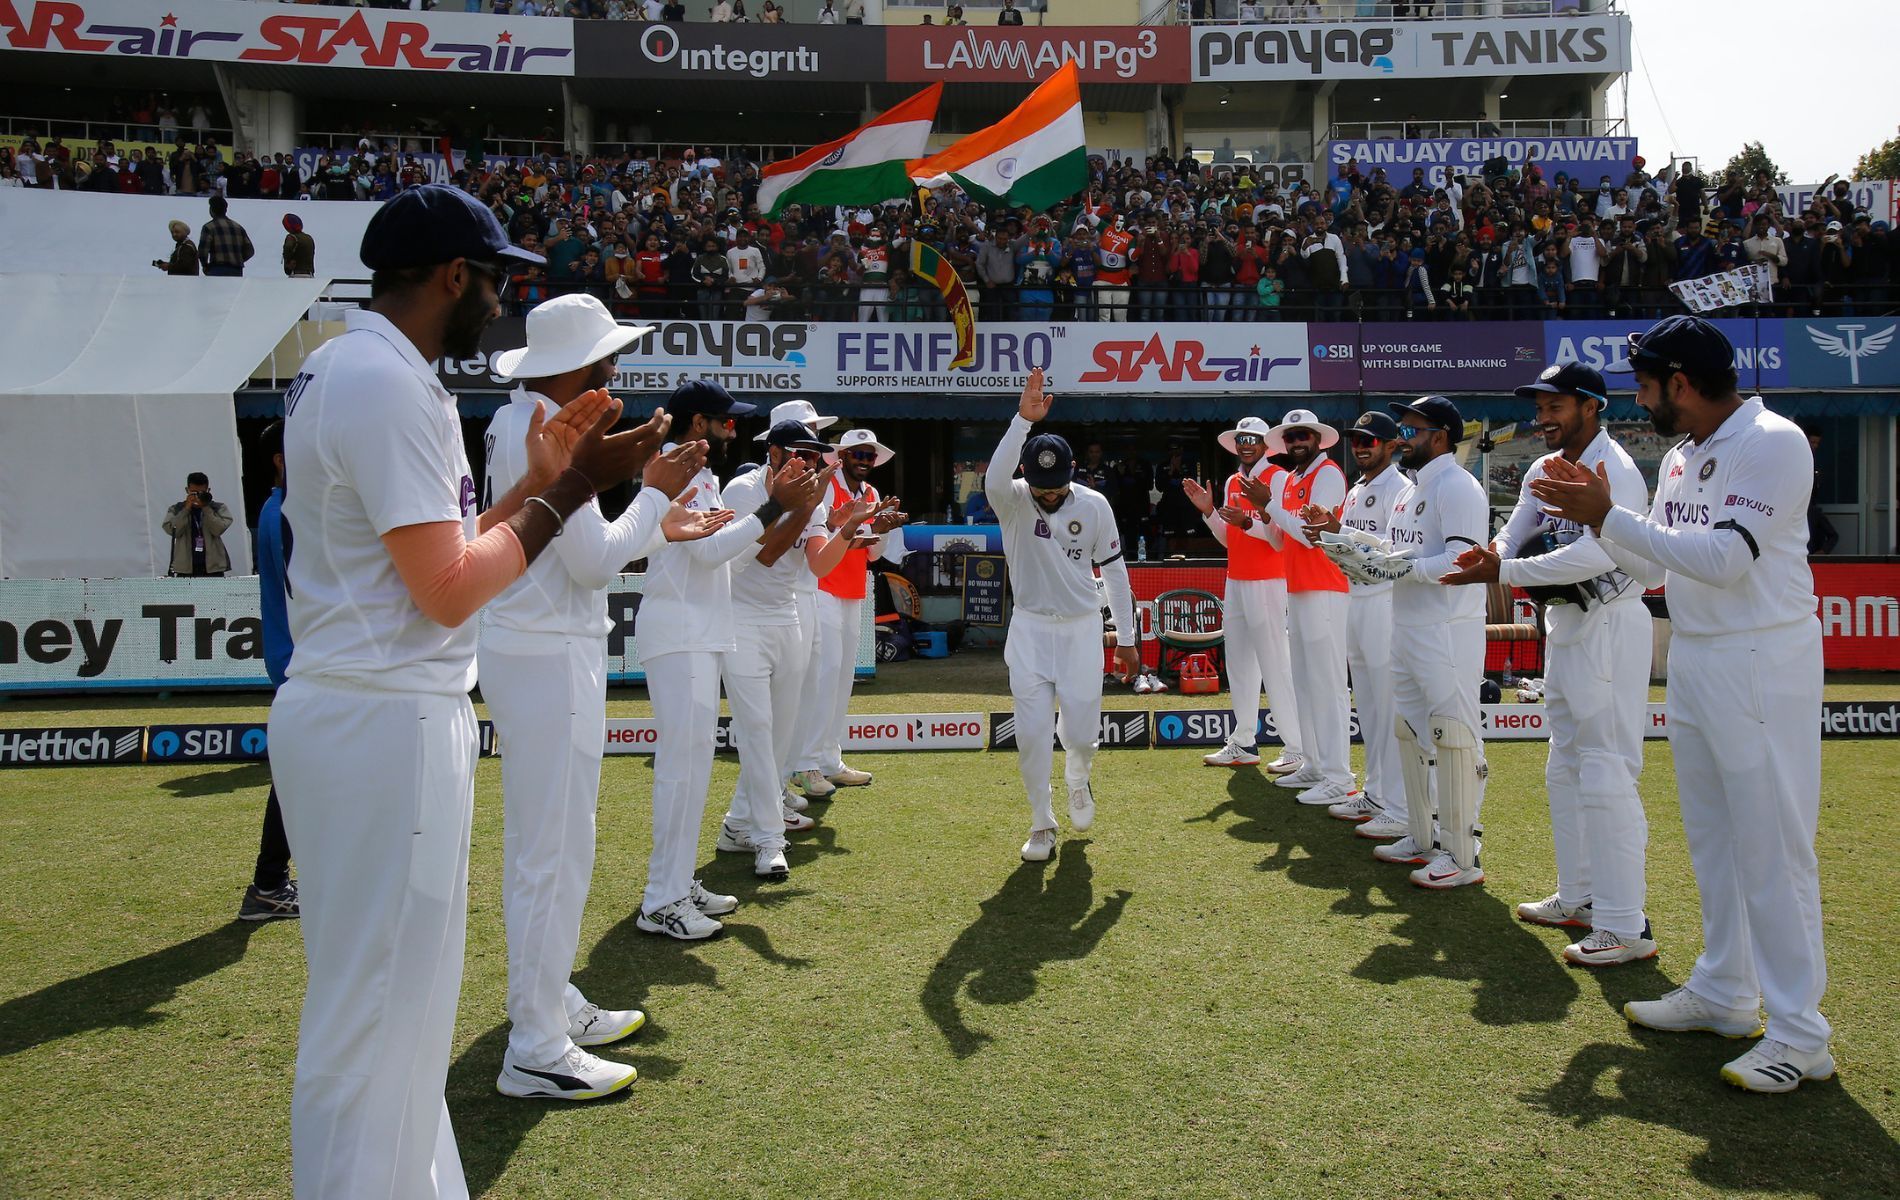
(1024, 926)
(1819, 1141)
(220, 782)
(1464, 934)
(122, 996)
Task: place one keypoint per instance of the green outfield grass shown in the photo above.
(1218, 993)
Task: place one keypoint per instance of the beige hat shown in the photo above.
(1253, 425)
(1300, 418)
(857, 438)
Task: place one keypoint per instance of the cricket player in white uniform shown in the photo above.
(1597, 674)
(1056, 535)
(1437, 646)
(683, 627)
(1377, 809)
(1316, 605)
(819, 759)
(543, 668)
(1253, 611)
(766, 675)
(1729, 522)
(373, 739)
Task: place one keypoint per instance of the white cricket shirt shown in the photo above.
(1053, 556)
(372, 442)
(763, 595)
(687, 596)
(1612, 571)
(1440, 516)
(1730, 523)
(564, 589)
(1368, 508)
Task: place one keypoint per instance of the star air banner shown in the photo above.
(926, 263)
(223, 31)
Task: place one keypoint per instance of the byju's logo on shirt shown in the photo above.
(468, 495)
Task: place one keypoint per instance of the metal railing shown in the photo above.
(1470, 127)
(519, 148)
(118, 132)
(1230, 12)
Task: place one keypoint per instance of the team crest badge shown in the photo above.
(1368, 499)
(1420, 510)
(1046, 459)
(1708, 469)
(1551, 372)
(1075, 528)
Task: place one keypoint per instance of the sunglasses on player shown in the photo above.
(864, 456)
(1299, 435)
(1366, 439)
(1249, 439)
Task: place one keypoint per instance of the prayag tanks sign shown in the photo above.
(1092, 357)
(1594, 44)
(219, 31)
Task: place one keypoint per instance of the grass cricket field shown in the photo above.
(1216, 992)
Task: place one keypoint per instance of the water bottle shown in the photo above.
(1141, 549)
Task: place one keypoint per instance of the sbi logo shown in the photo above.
(1170, 727)
(1334, 351)
(165, 744)
(254, 741)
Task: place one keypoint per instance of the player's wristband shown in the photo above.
(560, 525)
(769, 512)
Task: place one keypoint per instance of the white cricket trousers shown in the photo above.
(1597, 704)
(1253, 625)
(1744, 724)
(684, 686)
(764, 680)
(1316, 636)
(1369, 658)
(547, 694)
(1436, 669)
(819, 738)
(377, 789)
(1055, 678)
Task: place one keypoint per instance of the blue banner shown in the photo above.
(1605, 346)
(1587, 159)
(1844, 352)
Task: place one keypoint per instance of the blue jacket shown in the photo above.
(273, 585)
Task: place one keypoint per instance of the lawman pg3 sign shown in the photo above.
(225, 31)
(1576, 45)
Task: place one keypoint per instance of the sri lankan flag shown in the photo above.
(926, 263)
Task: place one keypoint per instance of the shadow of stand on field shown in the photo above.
(1024, 926)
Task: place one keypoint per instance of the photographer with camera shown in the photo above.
(197, 524)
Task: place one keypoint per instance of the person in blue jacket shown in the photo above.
(272, 895)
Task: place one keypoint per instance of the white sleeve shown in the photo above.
(396, 465)
(594, 549)
(1462, 519)
(1113, 564)
(1778, 472)
(1329, 492)
(999, 484)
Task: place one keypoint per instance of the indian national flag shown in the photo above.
(865, 166)
(1035, 156)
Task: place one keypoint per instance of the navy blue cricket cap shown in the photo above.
(793, 435)
(1435, 411)
(1375, 425)
(1571, 377)
(1048, 462)
(703, 396)
(432, 224)
(1679, 343)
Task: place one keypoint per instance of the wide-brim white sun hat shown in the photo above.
(1252, 425)
(566, 334)
(800, 411)
(1300, 418)
(857, 439)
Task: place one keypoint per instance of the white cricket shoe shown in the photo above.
(1232, 755)
(713, 904)
(850, 777)
(732, 840)
(1041, 844)
(1682, 1011)
(796, 822)
(768, 861)
(1605, 949)
(816, 786)
(680, 919)
(1551, 910)
(1301, 779)
(1325, 795)
(1286, 764)
(1444, 873)
(1155, 684)
(1357, 806)
(790, 799)
(1771, 1066)
(597, 1026)
(1141, 685)
(1405, 850)
(1381, 826)
(1081, 808)
(578, 1075)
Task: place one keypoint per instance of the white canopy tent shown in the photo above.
(113, 390)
